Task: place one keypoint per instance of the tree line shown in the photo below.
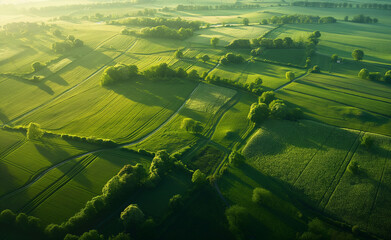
(361, 18)
(23, 29)
(341, 5)
(68, 44)
(175, 23)
(375, 76)
(181, 7)
(122, 73)
(161, 32)
(297, 19)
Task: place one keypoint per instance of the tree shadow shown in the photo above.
(3, 118)
(41, 86)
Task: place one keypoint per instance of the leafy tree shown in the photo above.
(258, 81)
(375, 76)
(264, 22)
(278, 109)
(78, 43)
(290, 76)
(91, 235)
(121, 236)
(288, 42)
(36, 66)
(317, 34)
(178, 53)
(34, 131)
(387, 76)
(236, 158)
(57, 33)
(71, 38)
(258, 112)
(238, 219)
(358, 54)
(176, 202)
(308, 62)
(266, 97)
(246, 21)
(71, 237)
(198, 177)
(181, 73)
(205, 58)
(161, 164)
(346, 19)
(334, 58)
(315, 69)
(363, 74)
(214, 41)
(132, 217)
(193, 74)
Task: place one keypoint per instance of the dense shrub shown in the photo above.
(238, 220)
(162, 32)
(266, 97)
(278, 109)
(132, 217)
(361, 18)
(297, 19)
(358, 54)
(67, 45)
(363, 74)
(239, 43)
(118, 73)
(161, 164)
(34, 131)
(375, 76)
(214, 41)
(236, 158)
(232, 58)
(367, 141)
(315, 69)
(198, 177)
(20, 224)
(36, 66)
(191, 125)
(176, 202)
(258, 113)
(290, 76)
(354, 167)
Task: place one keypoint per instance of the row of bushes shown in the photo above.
(121, 72)
(161, 32)
(375, 76)
(232, 58)
(216, 7)
(176, 23)
(269, 106)
(66, 45)
(361, 18)
(22, 29)
(254, 87)
(293, 19)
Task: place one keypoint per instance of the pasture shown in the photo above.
(313, 160)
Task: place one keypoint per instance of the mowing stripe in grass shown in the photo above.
(313, 156)
(311, 95)
(73, 87)
(336, 180)
(47, 192)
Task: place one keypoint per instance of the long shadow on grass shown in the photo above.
(41, 86)
(3, 118)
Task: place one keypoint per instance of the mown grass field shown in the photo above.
(341, 101)
(83, 177)
(313, 159)
(205, 105)
(23, 159)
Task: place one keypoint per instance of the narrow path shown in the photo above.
(42, 174)
(73, 87)
(294, 80)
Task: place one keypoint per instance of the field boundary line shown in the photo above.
(378, 189)
(12, 148)
(313, 156)
(348, 158)
(294, 80)
(96, 72)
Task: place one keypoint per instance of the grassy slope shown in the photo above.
(23, 159)
(341, 101)
(313, 159)
(83, 177)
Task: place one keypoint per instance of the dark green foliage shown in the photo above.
(198, 177)
(193, 75)
(315, 69)
(363, 74)
(166, 32)
(161, 71)
(34, 131)
(214, 41)
(334, 58)
(290, 76)
(266, 97)
(256, 52)
(253, 87)
(71, 237)
(132, 217)
(298, 19)
(57, 33)
(278, 109)
(294, 114)
(178, 53)
(246, 21)
(232, 58)
(387, 76)
(206, 159)
(67, 45)
(36, 66)
(181, 73)
(238, 219)
(176, 202)
(118, 73)
(367, 141)
(239, 43)
(236, 158)
(161, 164)
(120, 236)
(258, 112)
(91, 235)
(176, 23)
(205, 58)
(361, 18)
(20, 224)
(279, 43)
(192, 126)
(375, 76)
(358, 54)
(353, 167)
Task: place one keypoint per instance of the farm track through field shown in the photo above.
(44, 172)
(73, 87)
(342, 169)
(377, 190)
(56, 185)
(335, 101)
(288, 83)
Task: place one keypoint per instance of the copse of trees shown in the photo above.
(36, 66)
(34, 131)
(258, 113)
(361, 18)
(20, 225)
(132, 217)
(236, 159)
(64, 46)
(239, 43)
(23, 29)
(231, 58)
(161, 164)
(178, 53)
(297, 19)
(290, 76)
(118, 73)
(205, 58)
(340, 5)
(375, 76)
(246, 22)
(198, 177)
(161, 32)
(216, 7)
(174, 23)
